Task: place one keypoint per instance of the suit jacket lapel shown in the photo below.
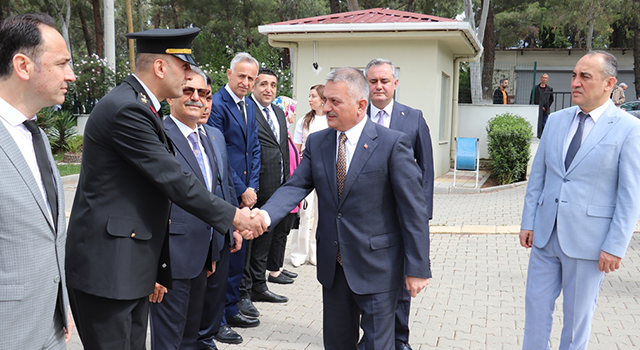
(235, 110)
(328, 151)
(606, 121)
(397, 117)
(360, 157)
(10, 148)
(209, 148)
(183, 147)
(563, 130)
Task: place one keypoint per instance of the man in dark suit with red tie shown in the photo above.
(371, 236)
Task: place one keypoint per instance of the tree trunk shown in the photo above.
(353, 5)
(591, 20)
(489, 45)
(86, 33)
(97, 22)
(334, 5)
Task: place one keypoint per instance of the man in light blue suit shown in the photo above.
(371, 225)
(582, 203)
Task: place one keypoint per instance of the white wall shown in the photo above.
(473, 120)
(421, 64)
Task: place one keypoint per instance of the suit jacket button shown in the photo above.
(335, 243)
(56, 279)
(339, 215)
(556, 200)
(245, 172)
(133, 234)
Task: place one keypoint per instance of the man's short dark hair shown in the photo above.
(267, 71)
(502, 80)
(21, 34)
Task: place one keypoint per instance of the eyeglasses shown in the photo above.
(189, 91)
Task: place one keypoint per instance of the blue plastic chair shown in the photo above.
(467, 157)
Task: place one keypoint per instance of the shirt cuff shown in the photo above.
(267, 218)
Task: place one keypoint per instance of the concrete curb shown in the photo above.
(70, 178)
(475, 229)
(504, 187)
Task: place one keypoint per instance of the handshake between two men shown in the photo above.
(249, 223)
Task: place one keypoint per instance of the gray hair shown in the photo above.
(378, 62)
(357, 83)
(610, 65)
(623, 85)
(199, 72)
(242, 57)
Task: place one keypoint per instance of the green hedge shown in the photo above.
(509, 138)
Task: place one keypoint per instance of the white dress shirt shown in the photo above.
(387, 118)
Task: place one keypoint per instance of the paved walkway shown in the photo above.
(476, 298)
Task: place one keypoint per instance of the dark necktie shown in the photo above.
(45, 168)
(244, 116)
(574, 146)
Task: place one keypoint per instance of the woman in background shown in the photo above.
(303, 242)
(275, 259)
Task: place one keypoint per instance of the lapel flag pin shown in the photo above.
(366, 146)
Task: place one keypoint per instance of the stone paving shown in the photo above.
(476, 298)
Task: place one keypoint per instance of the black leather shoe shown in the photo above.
(242, 321)
(400, 345)
(211, 346)
(289, 273)
(228, 335)
(281, 279)
(246, 308)
(269, 297)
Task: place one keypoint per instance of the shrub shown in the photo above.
(74, 144)
(61, 130)
(509, 137)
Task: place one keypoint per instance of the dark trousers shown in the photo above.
(176, 320)
(341, 316)
(255, 266)
(215, 296)
(402, 315)
(109, 324)
(236, 269)
(275, 260)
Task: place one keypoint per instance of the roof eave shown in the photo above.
(299, 29)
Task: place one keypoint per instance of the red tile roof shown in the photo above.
(377, 15)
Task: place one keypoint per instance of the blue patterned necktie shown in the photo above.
(193, 138)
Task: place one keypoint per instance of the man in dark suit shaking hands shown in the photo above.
(384, 110)
(371, 237)
(117, 248)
